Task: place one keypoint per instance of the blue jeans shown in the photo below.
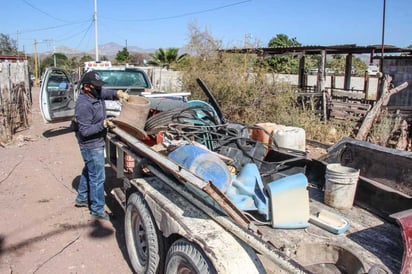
(91, 186)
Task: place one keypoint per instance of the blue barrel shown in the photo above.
(203, 163)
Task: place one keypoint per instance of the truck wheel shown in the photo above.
(186, 257)
(143, 241)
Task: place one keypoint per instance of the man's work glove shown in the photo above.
(121, 95)
(107, 123)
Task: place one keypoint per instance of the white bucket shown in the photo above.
(291, 137)
(340, 186)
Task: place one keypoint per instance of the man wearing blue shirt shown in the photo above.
(90, 114)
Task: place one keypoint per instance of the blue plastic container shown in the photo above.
(203, 163)
(289, 200)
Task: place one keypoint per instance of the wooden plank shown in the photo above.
(350, 105)
(348, 94)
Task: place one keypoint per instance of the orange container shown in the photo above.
(265, 133)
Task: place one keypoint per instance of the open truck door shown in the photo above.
(57, 95)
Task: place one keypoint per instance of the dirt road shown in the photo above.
(40, 229)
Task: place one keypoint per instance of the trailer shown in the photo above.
(177, 221)
(201, 195)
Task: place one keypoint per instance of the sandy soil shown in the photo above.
(40, 229)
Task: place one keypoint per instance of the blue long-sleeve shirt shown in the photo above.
(90, 114)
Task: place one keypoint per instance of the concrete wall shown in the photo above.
(170, 81)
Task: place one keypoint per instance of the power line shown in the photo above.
(181, 15)
(53, 27)
(45, 13)
(85, 30)
(85, 33)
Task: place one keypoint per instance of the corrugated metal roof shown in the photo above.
(334, 49)
(12, 57)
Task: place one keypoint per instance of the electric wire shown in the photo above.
(180, 15)
(43, 12)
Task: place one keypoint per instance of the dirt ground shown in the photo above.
(40, 229)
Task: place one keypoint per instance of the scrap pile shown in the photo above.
(249, 172)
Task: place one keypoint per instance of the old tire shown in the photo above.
(165, 118)
(143, 241)
(186, 257)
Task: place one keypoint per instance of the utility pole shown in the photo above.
(127, 54)
(54, 55)
(17, 44)
(36, 71)
(383, 35)
(95, 31)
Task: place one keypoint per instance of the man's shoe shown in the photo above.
(101, 216)
(78, 203)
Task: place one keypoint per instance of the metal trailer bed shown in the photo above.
(370, 244)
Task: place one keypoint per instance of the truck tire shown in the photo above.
(186, 257)
(143, 240)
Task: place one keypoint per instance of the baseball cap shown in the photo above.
(92, 77)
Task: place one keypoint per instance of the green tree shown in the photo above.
(85, 58)
(338, 64)
(122, 56)
(8, 46)
(61, 62)
(167, 58)
(283, 64)
(282, 40)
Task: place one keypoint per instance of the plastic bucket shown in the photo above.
(135, 111)
(133, 116)
(340, 186)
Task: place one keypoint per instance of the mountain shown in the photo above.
(112, 49)
(108, 50)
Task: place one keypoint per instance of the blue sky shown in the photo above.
(153, 24)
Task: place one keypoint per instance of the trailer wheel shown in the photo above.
(143, 241)
(186, 257)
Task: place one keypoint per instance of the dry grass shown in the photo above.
(246, 93)
(247, 96)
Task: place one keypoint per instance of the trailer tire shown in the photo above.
(143, 241)
(186, 257)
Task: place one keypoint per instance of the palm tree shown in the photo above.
(166, 58)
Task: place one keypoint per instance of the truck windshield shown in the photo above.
(124, 78)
